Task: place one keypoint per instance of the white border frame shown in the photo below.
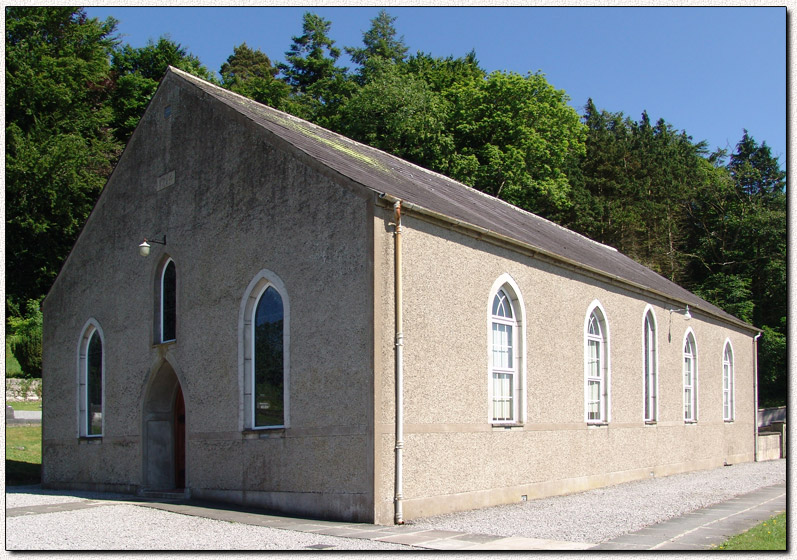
(506, 282)
(89, 328)
(649, 310)
(732, 417)
(161, 338)
(695, 381)
(607, 367)
(254, 291)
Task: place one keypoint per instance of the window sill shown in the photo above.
(597, 424)
(499, 427)
(651, 422)
(729, 421)
(89, 440)
(263, 433)
(687, 422)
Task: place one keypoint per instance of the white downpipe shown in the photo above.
(755, 397)
(399, 518)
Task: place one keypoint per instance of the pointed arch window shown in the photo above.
(596, 366)
(265, 342)
(168, 302)
(650, 367)
(727, 383)
(506, 355)
(91, 376)
(690, 378)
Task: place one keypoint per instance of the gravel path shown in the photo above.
(605, 513)
(130, 527)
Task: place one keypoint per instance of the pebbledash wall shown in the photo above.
(455, 458)
(234, 205)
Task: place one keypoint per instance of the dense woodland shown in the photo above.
(712, 221)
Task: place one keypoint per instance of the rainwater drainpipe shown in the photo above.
(398, 304)
(755, 397)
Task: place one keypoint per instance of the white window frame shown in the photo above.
(695, 362)
(728, 382)
(161, 338)
(246, 342)
(650, 364)
(91, 328)
(604, 382)
(508, 285)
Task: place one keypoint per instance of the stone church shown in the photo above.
(263, 312)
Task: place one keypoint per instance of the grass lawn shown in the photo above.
(25, 405)
(12, 365)
(769, 535)
(23, 455)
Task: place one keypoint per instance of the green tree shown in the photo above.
(59, 145)
(318, 87)
(521, 132)
(137, 73)
(738, 240)
(250, 73)
(397, 112)
(312, 55)
(380, 47)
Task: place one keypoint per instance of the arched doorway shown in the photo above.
(163, 432)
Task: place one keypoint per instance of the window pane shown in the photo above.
(502, 346)
(502, 396)
(94, 385)
(687, 404)
(269, 359)
(501, 305)
(593, 400)
(593, 359)
(169, 308)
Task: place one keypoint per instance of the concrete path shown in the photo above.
(700, 529)
(707, 527)
(23, 416)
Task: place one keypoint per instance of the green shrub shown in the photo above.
(26, 340)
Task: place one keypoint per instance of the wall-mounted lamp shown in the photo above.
(143, 249)
(687, 316)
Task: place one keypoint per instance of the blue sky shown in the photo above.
(710, 71)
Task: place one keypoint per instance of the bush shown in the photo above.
(26, 340)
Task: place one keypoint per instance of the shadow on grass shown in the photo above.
(19, 473)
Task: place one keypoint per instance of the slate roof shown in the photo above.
(384, 173)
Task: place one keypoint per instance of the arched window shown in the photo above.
(91, 375)
(265, 328)
(506, 354)
(168, 302)
(727, 383)
(596, 365)
(690, 378)
(650, 366)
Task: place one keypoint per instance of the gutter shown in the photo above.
(577, 266)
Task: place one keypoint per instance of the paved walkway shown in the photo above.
(700, 529)
(707, 527)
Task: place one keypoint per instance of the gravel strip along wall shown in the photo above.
(605, 513)
(592, 517)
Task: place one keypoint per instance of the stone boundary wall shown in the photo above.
(15, 388)
(767, 416)
(769, 446)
